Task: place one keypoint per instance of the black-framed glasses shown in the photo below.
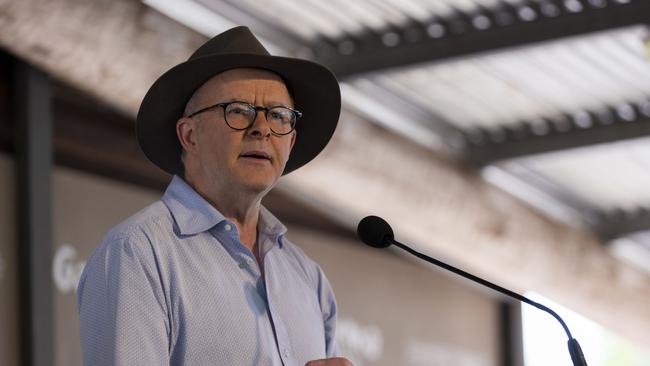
(241, 116)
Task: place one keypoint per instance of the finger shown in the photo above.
(336, 361)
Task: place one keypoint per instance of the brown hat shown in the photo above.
(314, 89)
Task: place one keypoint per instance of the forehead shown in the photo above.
(244, 83)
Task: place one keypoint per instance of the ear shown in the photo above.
(186, 131)
(293, 139)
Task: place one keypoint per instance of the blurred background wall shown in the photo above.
(393, 311)
(508, 137)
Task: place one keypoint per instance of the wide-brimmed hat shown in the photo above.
(313, 87)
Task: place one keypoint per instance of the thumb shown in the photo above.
(336, 361)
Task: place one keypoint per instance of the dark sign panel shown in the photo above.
(8, 280)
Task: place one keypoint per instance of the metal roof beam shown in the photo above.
(628, 121)
(465, 34)
(619, 223)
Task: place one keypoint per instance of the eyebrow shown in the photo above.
(268, 105)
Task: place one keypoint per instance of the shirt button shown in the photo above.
(285, 352)
(228, 227)
(249, 261)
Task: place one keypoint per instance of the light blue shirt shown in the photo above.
(173, 285)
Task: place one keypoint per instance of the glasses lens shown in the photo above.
(239, 115)
(281, 120)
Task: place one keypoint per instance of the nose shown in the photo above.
(260, 127)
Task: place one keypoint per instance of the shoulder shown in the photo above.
(314, 275)
(126, 258)
(150, 219)
(311, 269)
(135, 236)
(295, 251)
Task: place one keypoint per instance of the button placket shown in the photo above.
(280, 329)
(249, 264)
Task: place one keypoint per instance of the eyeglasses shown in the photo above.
(241, 116)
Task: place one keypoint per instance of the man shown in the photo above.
(206, 276)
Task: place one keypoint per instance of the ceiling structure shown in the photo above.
(419, 167)
(549, 99)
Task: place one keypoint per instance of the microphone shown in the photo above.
(377, 233)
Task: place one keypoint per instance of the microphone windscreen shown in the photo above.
(375, 231)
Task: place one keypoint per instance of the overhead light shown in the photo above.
(202, 19)
(368, 106)
(537, 197)
(645, 38)
(634, 249)
(193, 15)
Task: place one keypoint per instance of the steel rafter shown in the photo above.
(568, 131)
(619, 223)
(464, 34)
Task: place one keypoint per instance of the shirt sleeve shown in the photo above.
(329, 309)
(122, 308)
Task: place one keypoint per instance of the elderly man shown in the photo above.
(206, 276)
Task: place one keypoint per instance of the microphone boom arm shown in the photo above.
(577, 357)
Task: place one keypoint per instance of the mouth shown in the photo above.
(256, 155)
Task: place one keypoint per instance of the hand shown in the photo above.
(337, 361)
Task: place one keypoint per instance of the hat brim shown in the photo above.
(314, 89)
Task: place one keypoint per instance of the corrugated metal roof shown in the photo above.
(608, 177)
(578, 80)
(541, 81)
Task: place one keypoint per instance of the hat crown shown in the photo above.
(313, 87)
(236, 40)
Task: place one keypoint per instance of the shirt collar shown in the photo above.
(270, 226)
(193, 214)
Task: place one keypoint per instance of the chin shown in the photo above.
(258, 184)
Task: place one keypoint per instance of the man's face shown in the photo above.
(221, 157)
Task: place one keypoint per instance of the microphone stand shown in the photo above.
(577, 357)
